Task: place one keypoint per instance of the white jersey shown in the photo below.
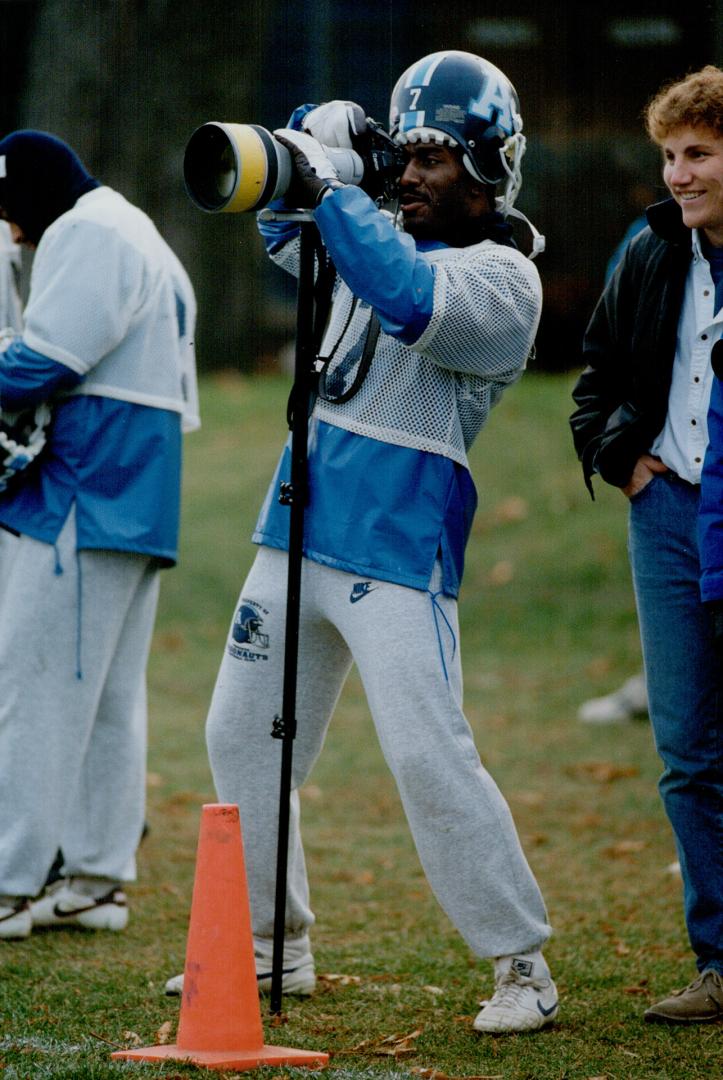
(119, 324)
(436, 394)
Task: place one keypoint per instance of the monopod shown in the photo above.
(294, 494)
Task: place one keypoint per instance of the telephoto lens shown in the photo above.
(231, 168)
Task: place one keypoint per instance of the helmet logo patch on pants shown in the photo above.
(247, 630)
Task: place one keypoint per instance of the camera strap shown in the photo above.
(326, 390)
(322, 294)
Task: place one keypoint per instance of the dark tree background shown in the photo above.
(126, 82)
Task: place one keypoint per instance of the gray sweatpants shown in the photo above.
(75, 631)
(405, 643)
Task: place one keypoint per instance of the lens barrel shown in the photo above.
(234, 167)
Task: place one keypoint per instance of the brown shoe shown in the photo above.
(699, 1003)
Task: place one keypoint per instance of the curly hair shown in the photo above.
(695, 101)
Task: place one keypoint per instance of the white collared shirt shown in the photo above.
(682, 443)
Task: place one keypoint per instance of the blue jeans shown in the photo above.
(683, 678)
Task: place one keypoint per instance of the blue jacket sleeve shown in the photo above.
(379, 264)
(27, 377)
(710, 519)
(276, 233)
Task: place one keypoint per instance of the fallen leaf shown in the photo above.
(604, 771)
(601, 665)
(312, 792)
(339, 980)
(436, 1074)
(587, 821)
(511, 509)
(624, 847)
(433, 989)
(527, 798)
(163, 1035)
(398, 1039)
(501, 573)
(132, 1038)
(171, 641)
(390, 1046)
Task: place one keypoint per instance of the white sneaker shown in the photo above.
(525, 997)
(68, 902)
(620, 707)
(298, 975)
(16, 922)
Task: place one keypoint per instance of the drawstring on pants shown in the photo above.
(437, 610)
(79, 619)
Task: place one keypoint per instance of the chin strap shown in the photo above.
(538, 240)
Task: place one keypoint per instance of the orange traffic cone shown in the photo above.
(220, 1023)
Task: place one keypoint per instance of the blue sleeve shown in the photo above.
(276, 233)
(27, 377)
(379, 264)
(710, 519)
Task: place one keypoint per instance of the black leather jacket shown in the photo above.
(629, 347)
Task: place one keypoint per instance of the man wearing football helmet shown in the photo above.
(429, 324)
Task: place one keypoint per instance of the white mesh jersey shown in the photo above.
(435, 394)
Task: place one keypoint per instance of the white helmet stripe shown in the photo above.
(421, 74)
(410, 120)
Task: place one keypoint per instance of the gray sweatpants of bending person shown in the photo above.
(75, 632)
(405, 643)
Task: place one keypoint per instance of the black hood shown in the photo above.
(40, 179)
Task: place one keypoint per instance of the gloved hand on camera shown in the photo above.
(313, 173)
(339, 124)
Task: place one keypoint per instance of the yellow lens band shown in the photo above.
(252, 167)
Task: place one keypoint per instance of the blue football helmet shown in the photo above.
(462, 100)
(247, 627)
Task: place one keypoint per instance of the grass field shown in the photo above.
(547, 621)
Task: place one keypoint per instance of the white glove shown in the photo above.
(313, 173)
(336, 123)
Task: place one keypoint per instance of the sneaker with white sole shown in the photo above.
(627, 703)
(16, 922)
(298, 975)
(71, 902)
(525, 997)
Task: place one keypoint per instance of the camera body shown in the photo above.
(232, 168)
